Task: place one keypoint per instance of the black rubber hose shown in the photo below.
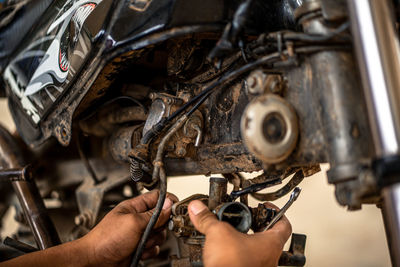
(153, 219)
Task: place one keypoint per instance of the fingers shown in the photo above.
(156, 239)
(201, 217)
(141, 203)
(150, 252)
(282, 228)
(162, 219)
(145, 202)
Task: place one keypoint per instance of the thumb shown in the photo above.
(201, 217)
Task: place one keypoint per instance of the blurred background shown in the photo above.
(335, 236)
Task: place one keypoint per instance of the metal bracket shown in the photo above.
(295, 255)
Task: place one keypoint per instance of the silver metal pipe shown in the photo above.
(31, 202)
(391, 217)
(377, 48)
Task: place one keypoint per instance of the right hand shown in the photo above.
(225, 246)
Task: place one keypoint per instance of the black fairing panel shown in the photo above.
(12, 34)
(64, 51)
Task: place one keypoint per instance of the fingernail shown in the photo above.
(167, 204)
(196, 207)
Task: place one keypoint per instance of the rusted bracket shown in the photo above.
(295, 255)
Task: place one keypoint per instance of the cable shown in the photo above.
(153, 219)
(158, 173)
(295, 36)
(157, 129)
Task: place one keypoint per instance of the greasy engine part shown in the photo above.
(103, 123)
(159, 177)
(221, 147)
(237, 214)
(217, 192)
(269, 128)
(123, 140)
(28, 194)
(335, 88)
(161, 107)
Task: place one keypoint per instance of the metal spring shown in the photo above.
(135, 171)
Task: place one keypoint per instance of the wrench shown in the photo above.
(295, 194)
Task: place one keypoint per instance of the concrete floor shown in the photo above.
(335, 237)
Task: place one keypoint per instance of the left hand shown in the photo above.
(115, 238)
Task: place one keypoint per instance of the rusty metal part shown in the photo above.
(180, 223)
(18, 174)
(336, 87)
(180, 207)
(255, 82)
(261, 217)
(161, 107)
(193, 128)
(217, 192)
(258, 83)
(295, 255)
(295, 181)
(123, 140)
(103, 123)
(209, 159)
(28, 194)
(270, 176)
(269, 128)
(236, 179)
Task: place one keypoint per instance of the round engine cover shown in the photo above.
(269, 128)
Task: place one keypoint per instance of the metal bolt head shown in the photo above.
(256, 82)
(171, 225)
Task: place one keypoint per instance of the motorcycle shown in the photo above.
(111, 97)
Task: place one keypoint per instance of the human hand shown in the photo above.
(225, 246)
(115, 238)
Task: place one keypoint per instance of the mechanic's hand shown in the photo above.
(225, 246)
(115, 238)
